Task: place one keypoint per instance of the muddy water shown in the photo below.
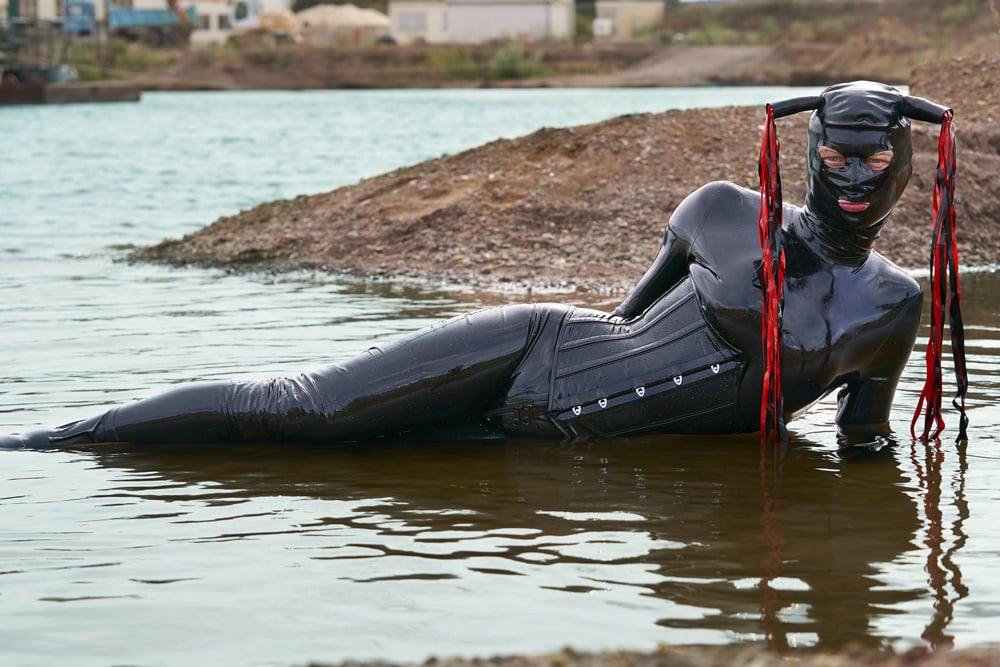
(265, 555)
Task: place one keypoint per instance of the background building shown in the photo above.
(479, 21)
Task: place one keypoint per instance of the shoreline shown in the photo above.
(700, 655)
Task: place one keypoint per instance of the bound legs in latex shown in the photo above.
(446, 375)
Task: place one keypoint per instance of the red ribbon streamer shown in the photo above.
(772, 282)
(946, 294)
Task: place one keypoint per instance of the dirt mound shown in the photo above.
(572, 208)
(584, 208)
(969, 84)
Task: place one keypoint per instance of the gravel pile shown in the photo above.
(583, 209)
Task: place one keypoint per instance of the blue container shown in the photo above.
(80, 19)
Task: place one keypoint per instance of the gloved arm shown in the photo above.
(669, 267)
(711, 203)
(865, 402)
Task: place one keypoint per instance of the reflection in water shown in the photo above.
(785, 547)
(944, 575)
(375, 550)
(771, 603)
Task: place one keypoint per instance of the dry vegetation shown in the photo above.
(801, 42)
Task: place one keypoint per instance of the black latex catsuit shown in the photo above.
(681, 354)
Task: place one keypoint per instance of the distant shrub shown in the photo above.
(454, 63)
(960, 12)
(206, 57)
(584, 26)
(713, 34)
(511, 62)
(769, 30)
(119, 55)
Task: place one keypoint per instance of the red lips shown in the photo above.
(852, 207)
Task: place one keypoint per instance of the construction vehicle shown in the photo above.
(80, 20)
(167, 26)
(271, 18)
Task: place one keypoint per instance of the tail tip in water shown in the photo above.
(11, 442)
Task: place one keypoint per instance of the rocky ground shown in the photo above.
(584, 208)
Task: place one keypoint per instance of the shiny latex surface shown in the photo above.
(850, 320)
(858, 120)
(442, 377)
(850, 316)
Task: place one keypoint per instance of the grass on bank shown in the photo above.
(766, 21)
(97, 61)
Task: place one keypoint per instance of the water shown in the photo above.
(280, 556)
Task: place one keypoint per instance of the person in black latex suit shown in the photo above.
(681, 354)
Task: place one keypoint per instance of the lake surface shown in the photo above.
(282, 555)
